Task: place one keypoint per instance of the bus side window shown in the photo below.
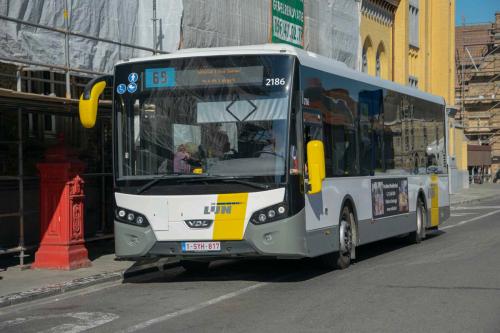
(370, 109)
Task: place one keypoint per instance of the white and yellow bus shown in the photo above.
(268, 151)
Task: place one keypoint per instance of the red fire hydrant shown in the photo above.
(62, 245)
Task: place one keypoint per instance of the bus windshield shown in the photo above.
(204, 116)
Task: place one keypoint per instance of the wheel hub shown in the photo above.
(345, 237)
(419, 220)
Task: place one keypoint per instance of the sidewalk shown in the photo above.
(19, 285)
(475, 193)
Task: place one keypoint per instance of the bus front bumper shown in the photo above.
(283, 239)
(135, 242)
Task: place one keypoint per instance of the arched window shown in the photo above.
(364, 64)
(381, 69)
(366, 67)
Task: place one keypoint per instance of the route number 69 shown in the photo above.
(275, 81)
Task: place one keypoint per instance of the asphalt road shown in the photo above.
(448, 283)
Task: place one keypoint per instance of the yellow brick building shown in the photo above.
(412, 42)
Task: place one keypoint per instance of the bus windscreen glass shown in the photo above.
(204, 116)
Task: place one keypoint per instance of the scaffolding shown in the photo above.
(19, 213)
(477, 90)
(21, 101)
(477, 76)
(66, 67)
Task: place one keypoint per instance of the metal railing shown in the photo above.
(65, 67)
(20, 178)
(21, 248)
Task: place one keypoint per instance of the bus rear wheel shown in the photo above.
(418, 235)
(342, 258)
(194, 266)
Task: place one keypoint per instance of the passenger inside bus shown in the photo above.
(185, 159)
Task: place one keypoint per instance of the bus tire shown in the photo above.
(342, 258)
(418, 235)
(194, 266)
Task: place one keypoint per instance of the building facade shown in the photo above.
(377, 35)
(478, 94)
(410, 42)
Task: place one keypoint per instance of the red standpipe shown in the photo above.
(62, 244)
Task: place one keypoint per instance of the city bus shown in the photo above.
(268, 151)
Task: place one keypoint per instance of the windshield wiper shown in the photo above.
(245, 182)
(228, 179)
(193, 179)
(154, 181)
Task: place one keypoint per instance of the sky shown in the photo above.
(476, 11)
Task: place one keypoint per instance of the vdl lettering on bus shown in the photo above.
(262, 151)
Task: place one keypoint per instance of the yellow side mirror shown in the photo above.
(315, 165)
(89, 100)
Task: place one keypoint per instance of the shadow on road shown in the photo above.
(268, 270)
(258, 270)
(388, 245)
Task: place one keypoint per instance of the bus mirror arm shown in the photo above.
(315, 166)
(308, 186)
(89, 100)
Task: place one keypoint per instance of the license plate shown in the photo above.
(200, 246)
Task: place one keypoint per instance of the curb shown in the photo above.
(81, 283)
(469, 201)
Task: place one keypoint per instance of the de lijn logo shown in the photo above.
(131, 87)
(220, 208)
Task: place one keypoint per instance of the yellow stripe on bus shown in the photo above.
(434, 201)
(230, 216)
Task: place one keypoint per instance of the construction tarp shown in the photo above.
(331, 28)
(126, 21)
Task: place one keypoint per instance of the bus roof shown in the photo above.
(306, 58)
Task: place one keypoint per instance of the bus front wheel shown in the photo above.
(342, 258)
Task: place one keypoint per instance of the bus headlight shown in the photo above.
(130, 217)
(122, 213)
(270, 214)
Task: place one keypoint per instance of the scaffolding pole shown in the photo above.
(21, 185)
(66, 49)
(78, 34)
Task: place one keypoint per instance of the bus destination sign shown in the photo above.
(169, 77)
